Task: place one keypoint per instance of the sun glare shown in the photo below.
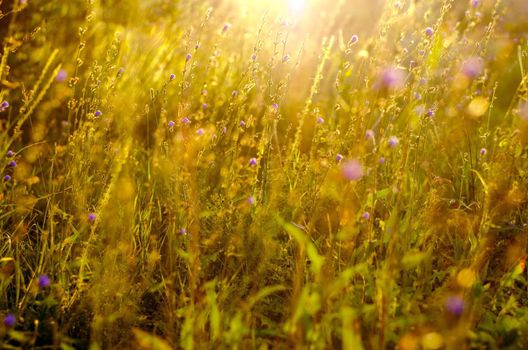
(296, 6)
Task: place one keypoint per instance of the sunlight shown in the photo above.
(296, 6)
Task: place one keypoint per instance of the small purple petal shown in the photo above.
(10, 321)
(455, 305)
(393, 141)
(352, 170)
(44, 281)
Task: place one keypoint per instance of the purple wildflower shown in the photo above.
(369, 134)
(12, 164)
(98, 113)
(200, 132)
(242, 123)
(354, 39)
(171, 123)
(382, 160)
(285, 58)
(475, 3)
(483, 151)
(352, 170)
(10, 153)
(275, 106)
(44, 281)
(7, 178)
(523, 110)
(320, 120)
(204, 106)
(391, 79)
(185, 120)
(339, 157)
(61, 75)
(226, 27)
(172, 76)
(254, 57)
(251, 200)
(253, 161)
(366, 215)
(182, 231)
(473, 67)
(92, 217)
(429, 31)
(188, 57)
(455, 305)
(4, 106)
(10, 320)
(234, 93)
(393, 141)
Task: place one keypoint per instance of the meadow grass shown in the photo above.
(230, 174)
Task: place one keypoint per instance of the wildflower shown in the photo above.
(188, 57)
(455, 305)
(242, 123)
(121, 70)
(483, 151)
(320, 120)
(224, 130)
(98, 113)
(172, 76)
(61, 75)
(369, 135)
(253, 161)
(391, 79)
(430, 112)
(354, 39)
(393, 141)
(285, 58)
(12, 164)
(4, 106)
(200, 132)
(473, 67)
(182, 231)
(234, 93)
(10, 153)
(204, 106)
(275, 106)
(366, 215)
(185, 120)
(92, 217)
(10, 320)
(171, 123)
(44, 281)
(429, 31)
(523, 111)
(382, 160)
(226, 27)
(7, 178)
(339, 157)
(352, 170)
(421, 52)
(475, 3)
(254, 57)
(251, 200)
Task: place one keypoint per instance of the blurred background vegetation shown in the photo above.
(264, 174)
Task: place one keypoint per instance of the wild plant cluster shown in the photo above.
(232, 174)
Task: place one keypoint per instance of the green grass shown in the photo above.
(161, 232)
